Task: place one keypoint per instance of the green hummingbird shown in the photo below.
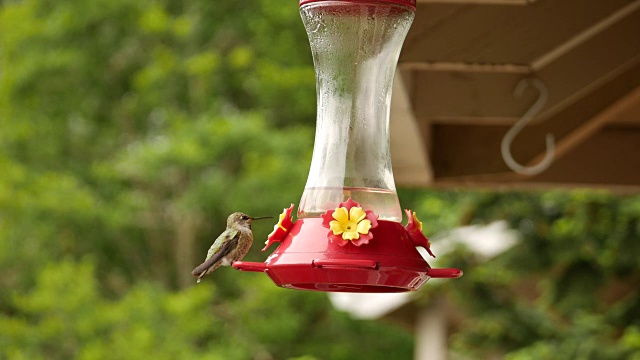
(232, 245)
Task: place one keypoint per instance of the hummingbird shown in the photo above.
(232, 245)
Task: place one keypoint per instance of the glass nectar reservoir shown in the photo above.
(355, 47)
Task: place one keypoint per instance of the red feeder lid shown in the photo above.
(409, 3)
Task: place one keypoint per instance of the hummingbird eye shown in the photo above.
(245, 217)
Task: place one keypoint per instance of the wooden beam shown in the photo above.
(479, 2)
(467, 33)
(603, 161)
(609, 158)
(467, 96)
(473, 120)
(593, 125)
(466, 67)
(531, 142)
(411, 165)
(582, 92)
(569, 79)
(473, 149)
(584, 36)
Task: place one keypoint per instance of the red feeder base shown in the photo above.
(307, 260)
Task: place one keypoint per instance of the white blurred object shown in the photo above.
(369, 306)
(487, 241)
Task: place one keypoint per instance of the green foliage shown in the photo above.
(124, 128)
(65, 316)
(567, 290)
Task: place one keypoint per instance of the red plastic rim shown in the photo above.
(307, 260)
(409, 3)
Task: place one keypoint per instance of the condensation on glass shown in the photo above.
(355, 50)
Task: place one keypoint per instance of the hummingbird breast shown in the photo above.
(244, 244)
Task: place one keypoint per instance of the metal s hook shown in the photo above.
(505, 146)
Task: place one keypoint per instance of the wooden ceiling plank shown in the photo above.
(629, 118)
(593, 125)
(479, 2)
(591, 64)
(584, 36)
(470, 150)
(411, 165)
(599, 162)
(569, 79)
(474, 120)
(466, 67)
(583, 91)
(471, 33)
(501, 183)
(608, 157)
(464, 96)
(531, 142)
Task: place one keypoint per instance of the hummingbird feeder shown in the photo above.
(348, 235)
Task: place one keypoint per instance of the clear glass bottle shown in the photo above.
(355, 48)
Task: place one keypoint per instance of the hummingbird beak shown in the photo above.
(262, 217)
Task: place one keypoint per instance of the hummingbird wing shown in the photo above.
(224, 244)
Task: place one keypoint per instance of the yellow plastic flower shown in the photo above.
(350, 224)
(416, 221)
(282, 218)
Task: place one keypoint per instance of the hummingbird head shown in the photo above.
(242, 219)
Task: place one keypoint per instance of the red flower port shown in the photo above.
(281, 229)
(414, 228)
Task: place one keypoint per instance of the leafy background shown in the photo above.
(129, 130)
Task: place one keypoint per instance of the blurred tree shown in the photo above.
(65, 317)
(124, 123)
(569, 289)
